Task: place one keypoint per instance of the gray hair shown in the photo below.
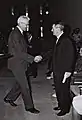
(22, 18)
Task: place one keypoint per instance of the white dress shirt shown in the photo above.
(59, 37)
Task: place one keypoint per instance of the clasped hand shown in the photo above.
(37, 58)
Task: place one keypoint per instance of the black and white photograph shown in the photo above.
(41, 60)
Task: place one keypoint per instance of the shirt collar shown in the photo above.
(60, 35)
(20, 29)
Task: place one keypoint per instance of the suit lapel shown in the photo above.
(22, 40)
(60, 39)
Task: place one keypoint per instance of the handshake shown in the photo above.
(37, 58)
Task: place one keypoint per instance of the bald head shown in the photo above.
(23, 22)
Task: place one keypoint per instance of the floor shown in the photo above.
(42, 96)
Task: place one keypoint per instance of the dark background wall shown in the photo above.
(69, 11)
(66, 10)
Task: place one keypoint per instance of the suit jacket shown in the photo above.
(64, 55)
(18, 48)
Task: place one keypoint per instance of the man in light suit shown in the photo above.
(18, 64)
(63, 65)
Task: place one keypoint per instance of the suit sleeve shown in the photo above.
(68, 56)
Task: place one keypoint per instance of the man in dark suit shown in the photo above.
(63, 66)
(18, 64)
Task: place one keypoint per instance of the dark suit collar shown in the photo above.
(20, 29)
(60, 35)
(17, 30)
(60, 39)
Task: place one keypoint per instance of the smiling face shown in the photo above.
(23, 22)
(24, 25)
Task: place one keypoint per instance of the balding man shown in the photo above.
(18, 64)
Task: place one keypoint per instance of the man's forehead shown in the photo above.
(25, 21)
(53, 25)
